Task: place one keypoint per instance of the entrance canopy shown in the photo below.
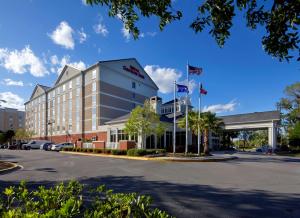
(255, 121)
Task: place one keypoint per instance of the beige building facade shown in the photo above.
(82, 101)
(11, 119)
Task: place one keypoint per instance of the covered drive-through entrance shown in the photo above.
(255, 121)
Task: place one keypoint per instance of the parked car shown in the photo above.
(60, 146)
(46, 146)
(34, 144)
(3, 146)
(263, 149)
(12, 147)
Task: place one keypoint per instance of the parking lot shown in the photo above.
(252, 186)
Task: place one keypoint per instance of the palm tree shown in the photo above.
(209, 122)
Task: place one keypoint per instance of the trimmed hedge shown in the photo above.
(130, 152)
(143, 152)
(118, 152)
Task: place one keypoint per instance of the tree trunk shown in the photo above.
(206, 148)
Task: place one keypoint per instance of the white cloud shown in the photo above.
(63, 35)
(126, 33)
(101, 29)
(58, 65)
(82, 35)
(22, 61)
(10, 82)
(163, 77)
(12, 100)
(221, 108)
(84, 2)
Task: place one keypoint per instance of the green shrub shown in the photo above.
(107, 151)
(118, 152)
(65, 200)
(84, 150)
(90, 150)
(143, 152)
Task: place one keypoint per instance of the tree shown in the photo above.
(294, 135)
(259, 138)
(143, 121)
(9, 134)
(207, 122)
(290, 105)
(280, 19)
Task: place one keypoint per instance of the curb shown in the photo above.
(200, 160)
(108, 155)
(10, 169)
(218, 159)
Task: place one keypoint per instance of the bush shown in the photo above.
(118, 152)
(107, 151)
(65, 200)
(90, 150)
(143, 152)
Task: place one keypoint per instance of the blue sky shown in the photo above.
(38, 37)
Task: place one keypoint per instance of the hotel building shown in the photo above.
(11, 119)
(81, 102)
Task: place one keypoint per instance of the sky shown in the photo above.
(37, 38)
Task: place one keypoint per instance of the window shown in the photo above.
(94, 118)
(64, 97)
(70, 95)
(64, 87)
(77, 81)
(94, 100)
(122, 135)
(133, 95)
(94, 74)
(77, 91)
(70, 84)
(113, 136)
(133, 85)
(94, 87)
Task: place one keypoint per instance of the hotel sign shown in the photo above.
(133, 70)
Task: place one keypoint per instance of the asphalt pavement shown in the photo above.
(251, 186)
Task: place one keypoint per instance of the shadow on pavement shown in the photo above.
(197, 200)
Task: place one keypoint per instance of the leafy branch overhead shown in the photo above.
(280, 18)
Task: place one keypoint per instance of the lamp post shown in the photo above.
(50, 122)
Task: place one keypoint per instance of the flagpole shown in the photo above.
(186, 110)
(174, 120)
(199, 116)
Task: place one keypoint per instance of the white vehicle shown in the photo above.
(34, 144)
(60, 146)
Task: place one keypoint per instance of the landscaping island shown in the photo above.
(147, 154)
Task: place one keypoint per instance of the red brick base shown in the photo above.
(125, 145)
(99, 136)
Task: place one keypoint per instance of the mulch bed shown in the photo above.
(5, 165)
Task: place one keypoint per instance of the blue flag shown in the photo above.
(182, 88)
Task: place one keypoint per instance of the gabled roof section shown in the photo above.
(135, 60)
(66, 70)
(38, 87)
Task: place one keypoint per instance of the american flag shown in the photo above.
(194, 70)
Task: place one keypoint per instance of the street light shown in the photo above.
(50, 122)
